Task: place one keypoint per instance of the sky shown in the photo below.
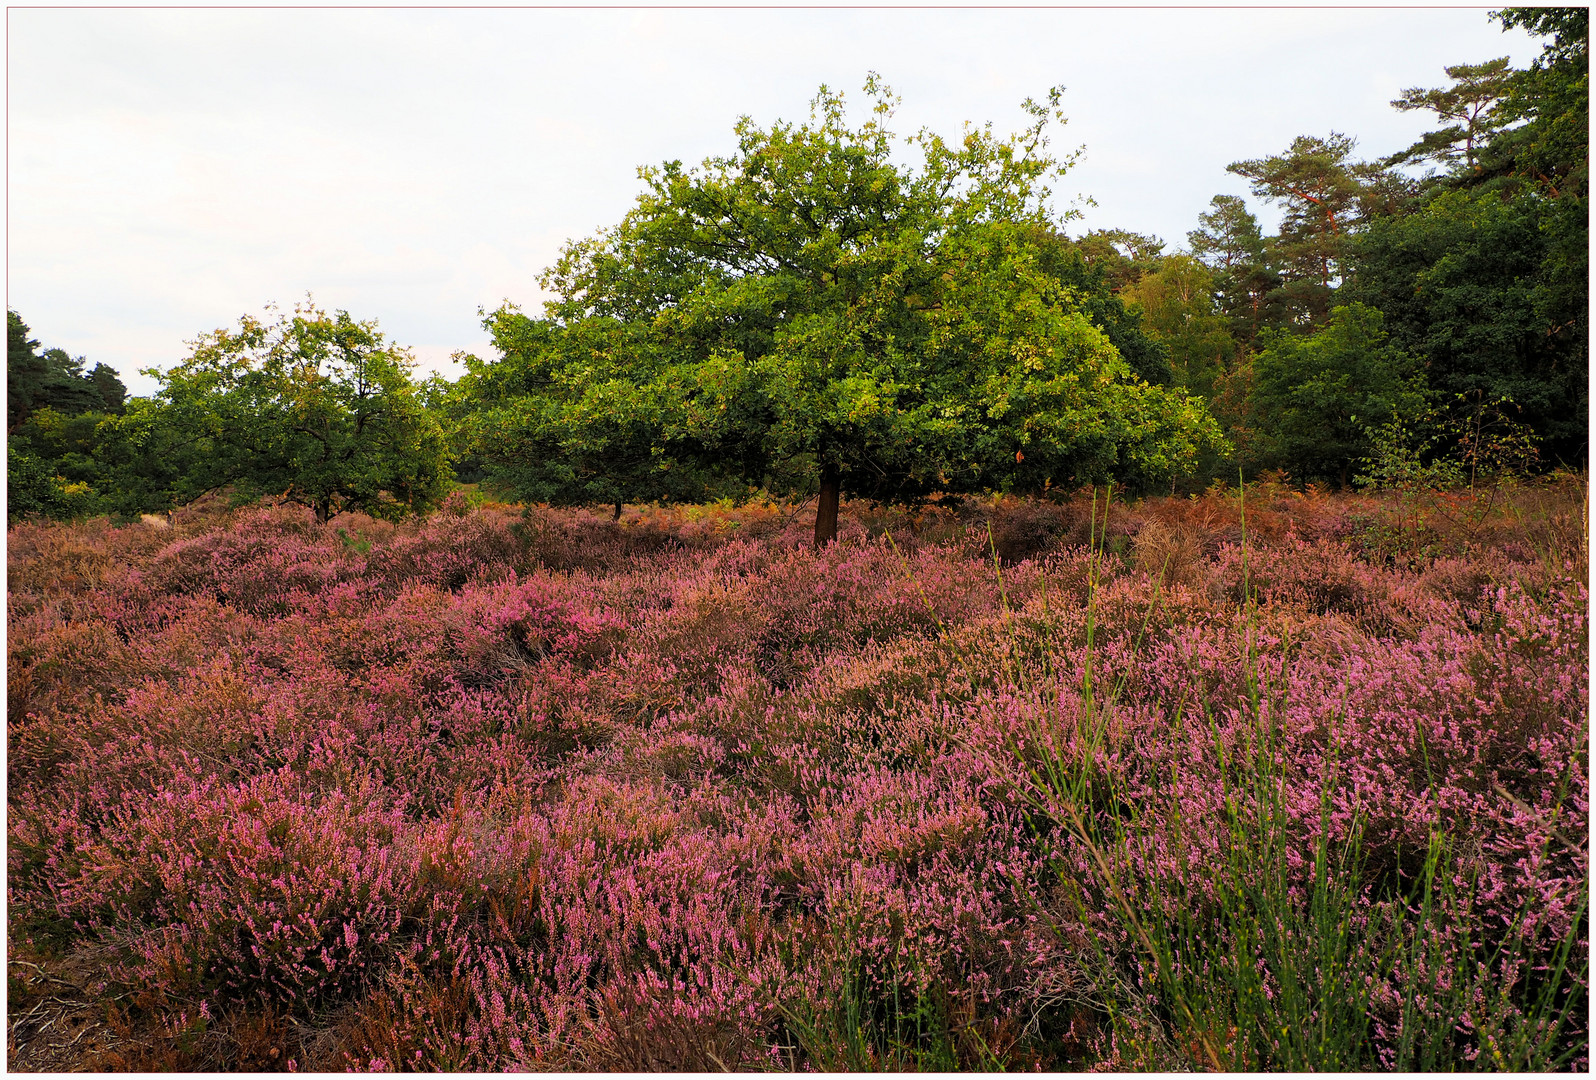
(170, 170)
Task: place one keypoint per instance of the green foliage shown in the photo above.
(1480, 270)
(1466, 282)
(1448, 466)
(70, 446)
(1246, 282)
(129, 464)
(807, 311)
(1326, 196)
(1177, 305)
(34, 489)
(1402, 458)
(1472, 440)
(1315, 398)
(1550, 154)
(1470, 103)
(814, 312)
(52, 379)
(112, 391)
(1094, 272)
(568, 415)
(317, 407)
(1551, 148)
(1122, 256)
(57, 417)
(353, 543)
(1486, 277)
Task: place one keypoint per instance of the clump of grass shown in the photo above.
(893, 1021)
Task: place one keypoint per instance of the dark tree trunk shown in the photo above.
(617, 516)
(826, 512)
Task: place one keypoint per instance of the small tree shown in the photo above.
(315, 406)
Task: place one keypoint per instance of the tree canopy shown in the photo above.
(1316, 399)
(808, 311)
(1484, 276)
(54, 380)
(1327, 196)
(1470, 104)
(317, 407)
(1178, 304)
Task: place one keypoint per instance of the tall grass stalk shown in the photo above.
(887, 1022)
(1240, 964)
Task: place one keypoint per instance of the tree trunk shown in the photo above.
(617, 516)
(826, 512)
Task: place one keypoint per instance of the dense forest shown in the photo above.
(807, 317)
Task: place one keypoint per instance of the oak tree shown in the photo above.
(808, 310)
(318, 407)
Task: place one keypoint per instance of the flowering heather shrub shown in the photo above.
(1022, 786)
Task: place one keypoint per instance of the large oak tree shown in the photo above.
(810, 310)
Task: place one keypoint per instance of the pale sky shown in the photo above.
(170, 170)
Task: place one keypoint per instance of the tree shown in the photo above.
(126, 463)
(112, 391)
(1461, 283)
(1081, 270)
(315, 406)
(56, 416)
(1315, 399)
(27, 373)
(1326, 197)
(1246, 285)
(1177, 306)
(1122, 255)
(1229, 239)
(34, 489)
(562, 416)
(1548, 152)
(54, 379)
(1470, 106)
(1549, 104)
(806, 311)
(1485, 275)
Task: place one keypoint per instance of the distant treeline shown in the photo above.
(806, 316)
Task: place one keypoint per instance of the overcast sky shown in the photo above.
(169, 170)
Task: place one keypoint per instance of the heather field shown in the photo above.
(1281, 781)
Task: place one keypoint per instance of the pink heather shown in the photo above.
(548, 793)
